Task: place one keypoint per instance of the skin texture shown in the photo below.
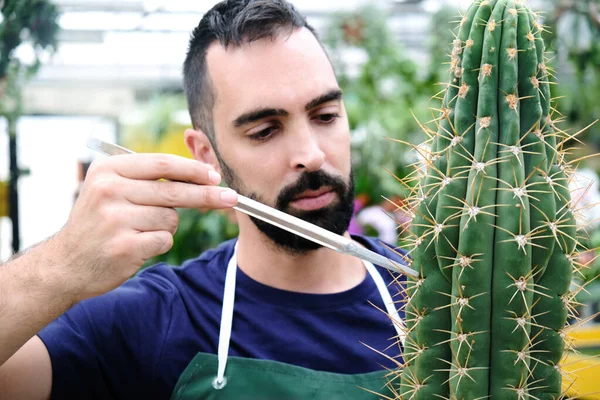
(127, 216)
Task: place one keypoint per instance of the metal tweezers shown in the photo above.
(287, 222)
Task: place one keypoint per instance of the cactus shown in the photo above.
(493, 234)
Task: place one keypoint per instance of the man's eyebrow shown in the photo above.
(258, 114)
(335, 94)
(265, 112)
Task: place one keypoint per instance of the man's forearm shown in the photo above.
(28, 300)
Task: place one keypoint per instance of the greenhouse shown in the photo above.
(273, 199)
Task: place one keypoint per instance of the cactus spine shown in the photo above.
(493, 235)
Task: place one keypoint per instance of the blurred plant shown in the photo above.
(574, 37)
(156, 120)
(24, 23)
(442, 32)
(379, 94)
(198, 231)
(572, 33)
(585, 197)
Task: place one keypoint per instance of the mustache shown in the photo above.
(311, 180)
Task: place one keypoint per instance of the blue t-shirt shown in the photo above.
(135, 341)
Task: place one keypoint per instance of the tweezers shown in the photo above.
(287, 222)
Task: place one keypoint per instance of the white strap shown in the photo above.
(226, 321)
(387, 300)
(227, 314)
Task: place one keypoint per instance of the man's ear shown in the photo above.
(200, 147)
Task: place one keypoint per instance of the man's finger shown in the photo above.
(163, 166)
(152, 244)
(179, 194)
(150, 218)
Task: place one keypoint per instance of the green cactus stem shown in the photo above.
(427, 345)
(493, 235)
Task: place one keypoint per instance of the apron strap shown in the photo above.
(387, 300)
(226, 321)
(220, 380)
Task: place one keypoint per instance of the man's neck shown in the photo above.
(319, 271)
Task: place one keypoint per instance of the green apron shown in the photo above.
(247, 378)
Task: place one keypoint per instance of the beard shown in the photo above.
(335, 217)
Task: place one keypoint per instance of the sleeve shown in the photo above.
(109, 347)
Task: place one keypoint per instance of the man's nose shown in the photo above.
(305, 150)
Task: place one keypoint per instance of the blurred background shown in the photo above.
(74, 69)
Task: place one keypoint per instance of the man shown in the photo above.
(266, 316)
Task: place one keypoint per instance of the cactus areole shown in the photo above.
(493, 234)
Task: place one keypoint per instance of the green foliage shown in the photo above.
(441, 34)
(198, 231)
(379, 94)
(573, 37)
(34, 21)
(591, 271)
(31, 21)
(159, 114)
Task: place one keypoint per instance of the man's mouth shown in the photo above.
(313, 199)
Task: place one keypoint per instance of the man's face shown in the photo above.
(281, 131)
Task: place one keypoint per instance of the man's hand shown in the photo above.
(125, 215)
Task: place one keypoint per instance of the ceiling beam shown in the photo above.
(100, 5)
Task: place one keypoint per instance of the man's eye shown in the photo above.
(264, 134)
(327, 118)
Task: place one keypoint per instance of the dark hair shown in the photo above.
(231, 22)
